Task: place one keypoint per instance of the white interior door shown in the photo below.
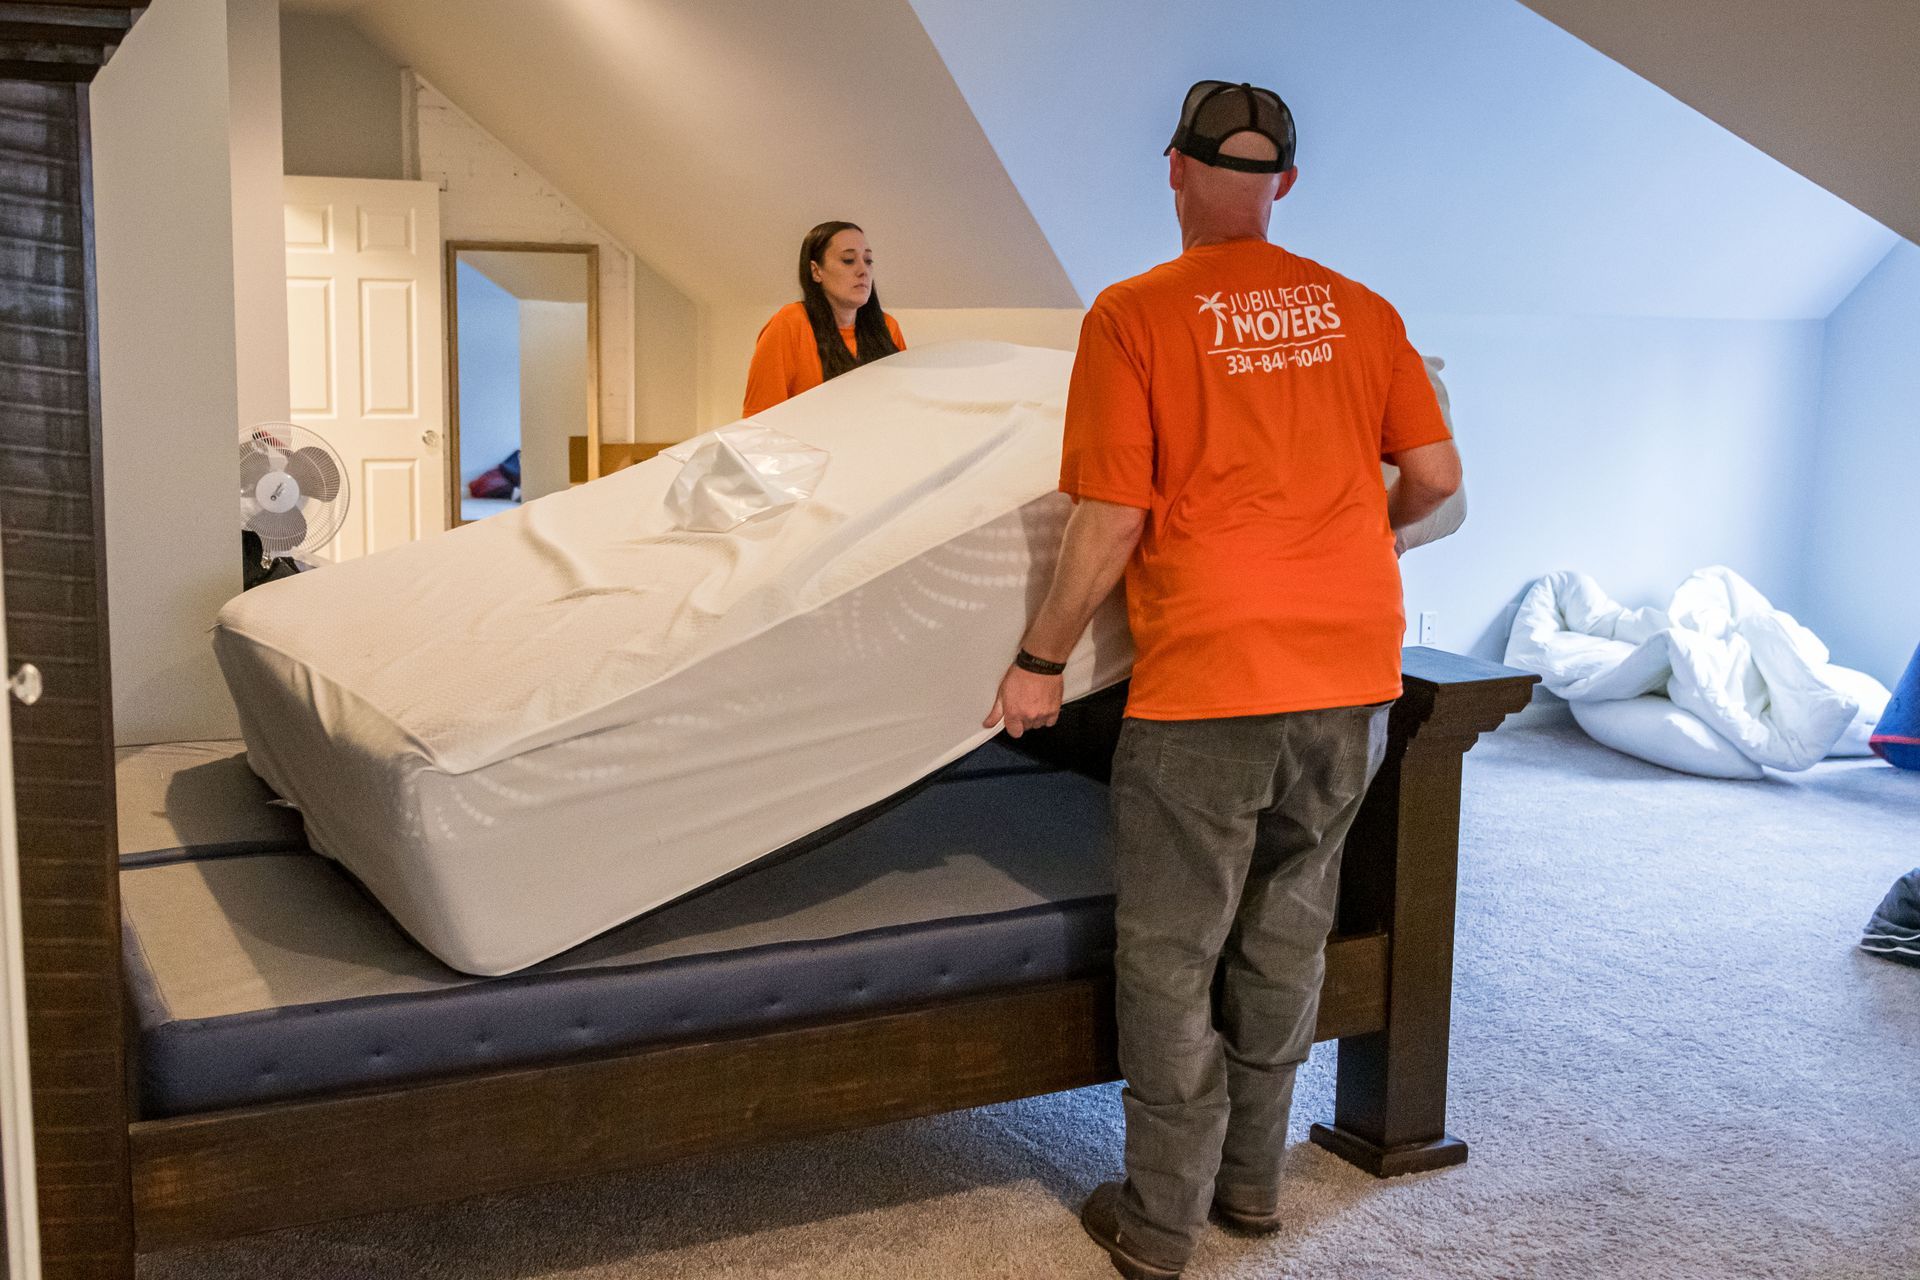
(364, 333)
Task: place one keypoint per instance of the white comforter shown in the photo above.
(1719, 650)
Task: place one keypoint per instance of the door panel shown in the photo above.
(310, 346)
(390, 514)
(386, 230)
(310, 227)
(364, 321)
(386, 349)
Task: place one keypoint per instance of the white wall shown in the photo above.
(341, 102)
(1634, 450)
(259, 209)
(1862, 597)
(727, 335)
(193, 327)
(666, 358)
(553, 392)
(1056, 327)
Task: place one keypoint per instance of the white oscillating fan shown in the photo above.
(293, 490)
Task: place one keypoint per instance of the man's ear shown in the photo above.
(1176, 171)
(1286, 183)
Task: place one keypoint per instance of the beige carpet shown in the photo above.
(1668, 1057)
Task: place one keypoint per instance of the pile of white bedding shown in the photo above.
(1718, 683)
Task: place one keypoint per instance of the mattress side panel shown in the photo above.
(354, 778)
(750, 750)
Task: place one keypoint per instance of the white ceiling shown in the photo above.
(1830, 88)
(709, 135)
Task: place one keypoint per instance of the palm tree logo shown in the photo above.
(1212, 303)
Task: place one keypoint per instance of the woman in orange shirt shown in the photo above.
(837, 325)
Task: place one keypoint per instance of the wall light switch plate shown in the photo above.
(1429, 626)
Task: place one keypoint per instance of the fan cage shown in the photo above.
(311, 464)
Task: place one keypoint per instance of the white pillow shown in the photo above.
(1872, 697)
(1656, 731)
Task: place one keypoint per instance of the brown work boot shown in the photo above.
(1243, 1220)
(1100, 1215)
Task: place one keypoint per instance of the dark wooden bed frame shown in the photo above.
(111, 1183)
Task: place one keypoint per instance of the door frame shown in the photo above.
(451, 292)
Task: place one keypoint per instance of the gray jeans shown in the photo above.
(1226, 866)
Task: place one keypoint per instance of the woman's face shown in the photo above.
(845, 271)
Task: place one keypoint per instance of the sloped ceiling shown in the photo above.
(1831, 88)
(708, 135)
(1467, 157)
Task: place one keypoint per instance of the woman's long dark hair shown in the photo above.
(869, 322)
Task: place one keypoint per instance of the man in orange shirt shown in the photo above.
(1226, 421)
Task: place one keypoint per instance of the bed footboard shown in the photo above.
(1397, 881)
(1399, 877)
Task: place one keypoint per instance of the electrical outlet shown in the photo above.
(1429, 626)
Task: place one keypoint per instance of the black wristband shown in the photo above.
(1039, 666)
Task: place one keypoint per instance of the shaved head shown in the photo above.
(1226, 204)
(1249, 145)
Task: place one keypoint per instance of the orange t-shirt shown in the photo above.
(1245, 397)
(786, 361)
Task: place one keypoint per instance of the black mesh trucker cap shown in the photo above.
(1216, 110)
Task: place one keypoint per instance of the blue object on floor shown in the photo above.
(1894, 931)
(1896, 739)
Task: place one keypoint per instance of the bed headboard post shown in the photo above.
(52, 520)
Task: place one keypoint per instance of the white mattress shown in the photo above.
(525, 731)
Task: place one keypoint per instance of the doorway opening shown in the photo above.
(523, 369)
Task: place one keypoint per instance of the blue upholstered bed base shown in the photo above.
(268, 975)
